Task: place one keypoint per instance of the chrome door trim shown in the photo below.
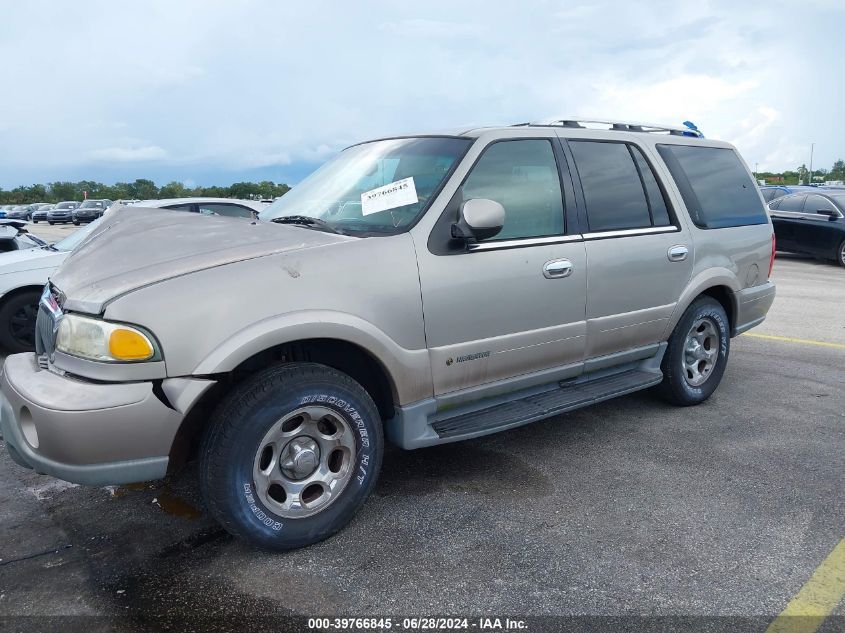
(651, 230)
(521, 243)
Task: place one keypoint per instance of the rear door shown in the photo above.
(639, 256)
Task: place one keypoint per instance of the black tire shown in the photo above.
(17, 321)
(34, 221)
(840, 254)
(231, 445)
(50, 223)
(676, 386)
(76, 222)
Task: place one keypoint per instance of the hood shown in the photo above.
(136, 247)
(30, 259)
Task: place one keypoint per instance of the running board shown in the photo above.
(568, 397)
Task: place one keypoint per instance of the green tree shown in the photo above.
(173, 190)
(143, 189)
(64, 191)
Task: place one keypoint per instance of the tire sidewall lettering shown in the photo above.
(362, 473)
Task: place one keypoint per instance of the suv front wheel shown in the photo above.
(697, 354)
(291, 455)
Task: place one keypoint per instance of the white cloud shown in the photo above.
(129, 154)
(194, 87)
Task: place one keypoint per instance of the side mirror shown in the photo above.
(830, 213)
(479, 219)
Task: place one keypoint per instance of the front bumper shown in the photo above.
(86, 433)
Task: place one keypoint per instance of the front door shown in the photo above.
(513, 304)
(639, 257)
(813, 231)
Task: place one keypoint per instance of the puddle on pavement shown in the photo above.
(174, 506)
(164, 499)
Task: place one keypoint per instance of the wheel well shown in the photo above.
(724, 296)
(19, 291)
(347, 357)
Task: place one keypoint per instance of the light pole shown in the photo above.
(812, 145)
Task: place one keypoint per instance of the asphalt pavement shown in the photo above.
(629, 508)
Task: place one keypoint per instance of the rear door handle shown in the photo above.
(678, 253)
(557, 268)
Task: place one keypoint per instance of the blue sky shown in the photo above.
(211, 92)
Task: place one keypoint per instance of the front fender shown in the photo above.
(408, 370)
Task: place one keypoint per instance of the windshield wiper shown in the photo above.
(305, 220)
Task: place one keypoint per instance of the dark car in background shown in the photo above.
(62, 212)
(811, 222)
(18, 212)
(90, 210)
(40, 214)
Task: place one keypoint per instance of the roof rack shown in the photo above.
(688, 129)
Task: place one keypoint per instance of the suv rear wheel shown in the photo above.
(840, 254)
(697, 354)
(291, 455)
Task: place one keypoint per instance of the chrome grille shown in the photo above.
(45, 338)
(45, 325)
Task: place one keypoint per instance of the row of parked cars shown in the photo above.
(59, 213)
(808, 220)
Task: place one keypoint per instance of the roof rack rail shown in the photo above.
(688, 129)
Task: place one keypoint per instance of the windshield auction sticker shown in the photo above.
(396, 194)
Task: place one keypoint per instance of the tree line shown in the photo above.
(141, 189)
(802, 175)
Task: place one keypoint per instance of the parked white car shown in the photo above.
(23, 274)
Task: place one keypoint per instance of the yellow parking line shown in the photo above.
(801, 341)
(817, 598)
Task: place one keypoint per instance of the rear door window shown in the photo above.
(620, 188)
(717, 189)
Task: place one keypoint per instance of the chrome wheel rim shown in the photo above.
(304, 462)
(701, 351)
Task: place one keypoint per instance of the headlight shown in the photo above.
(100, 340)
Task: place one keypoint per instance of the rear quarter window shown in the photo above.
(716, 187)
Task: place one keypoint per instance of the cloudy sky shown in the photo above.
(210, 92)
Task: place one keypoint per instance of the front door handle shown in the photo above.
(557, 268)
(678, 253)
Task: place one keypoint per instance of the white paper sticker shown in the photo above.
(396, 194)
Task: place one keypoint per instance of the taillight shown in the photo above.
(772, 259)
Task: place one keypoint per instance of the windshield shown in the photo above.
(66, 205)
(91, 204)
(377, 187)
(74, 239)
